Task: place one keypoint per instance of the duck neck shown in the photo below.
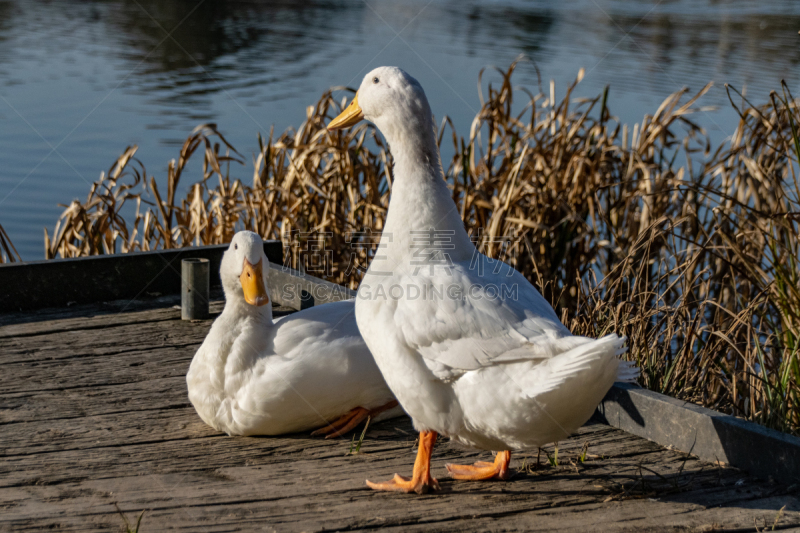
(422, 212)
(236, 306)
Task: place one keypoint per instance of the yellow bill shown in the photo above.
(252, 280)
(351, 115)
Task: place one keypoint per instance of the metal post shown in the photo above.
(194, 289)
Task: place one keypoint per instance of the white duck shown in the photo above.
(256, 376)
(468, 346)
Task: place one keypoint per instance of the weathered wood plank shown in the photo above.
(96, 369)
(62, 282)
(290, 496)
(199, 448)
(54, 314)
(95, 400)
(106, 335)
(89, 417)
(100, 342)
(104, 316)
(78, 325)
(710, 435)
(24, 438)
(124, 353)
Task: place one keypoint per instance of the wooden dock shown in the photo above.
(94, 415)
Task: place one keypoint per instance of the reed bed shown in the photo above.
(691, 252)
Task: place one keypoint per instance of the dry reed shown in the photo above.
(692, 254)
(8, 254)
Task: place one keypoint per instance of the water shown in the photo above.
(81, 80)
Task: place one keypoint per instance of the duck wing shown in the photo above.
(476, 314)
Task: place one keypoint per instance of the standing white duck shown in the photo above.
(468, 346)
(256, 376)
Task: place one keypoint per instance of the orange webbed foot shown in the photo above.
(351, 419)
(422, 481)
(483, 470)
(343, 424)
(404, 484)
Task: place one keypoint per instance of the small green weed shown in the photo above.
(584, 451)
(128, 528)
(355, 447)
(553, 459)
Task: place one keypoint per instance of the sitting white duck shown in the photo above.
(468, 346)
(310, 369)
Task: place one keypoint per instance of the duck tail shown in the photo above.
(627, 371)
(594, 364)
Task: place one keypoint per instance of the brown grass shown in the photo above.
(691, 253)
(8, 254)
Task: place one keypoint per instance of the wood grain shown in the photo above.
(94, 412)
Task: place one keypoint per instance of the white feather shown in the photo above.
(256, 376)
(469, 347)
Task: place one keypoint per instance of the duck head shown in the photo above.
(395, 102)
(244, 270)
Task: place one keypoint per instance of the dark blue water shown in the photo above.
(79, 81)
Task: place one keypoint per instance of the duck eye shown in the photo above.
(235, 246)
(375, 79)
